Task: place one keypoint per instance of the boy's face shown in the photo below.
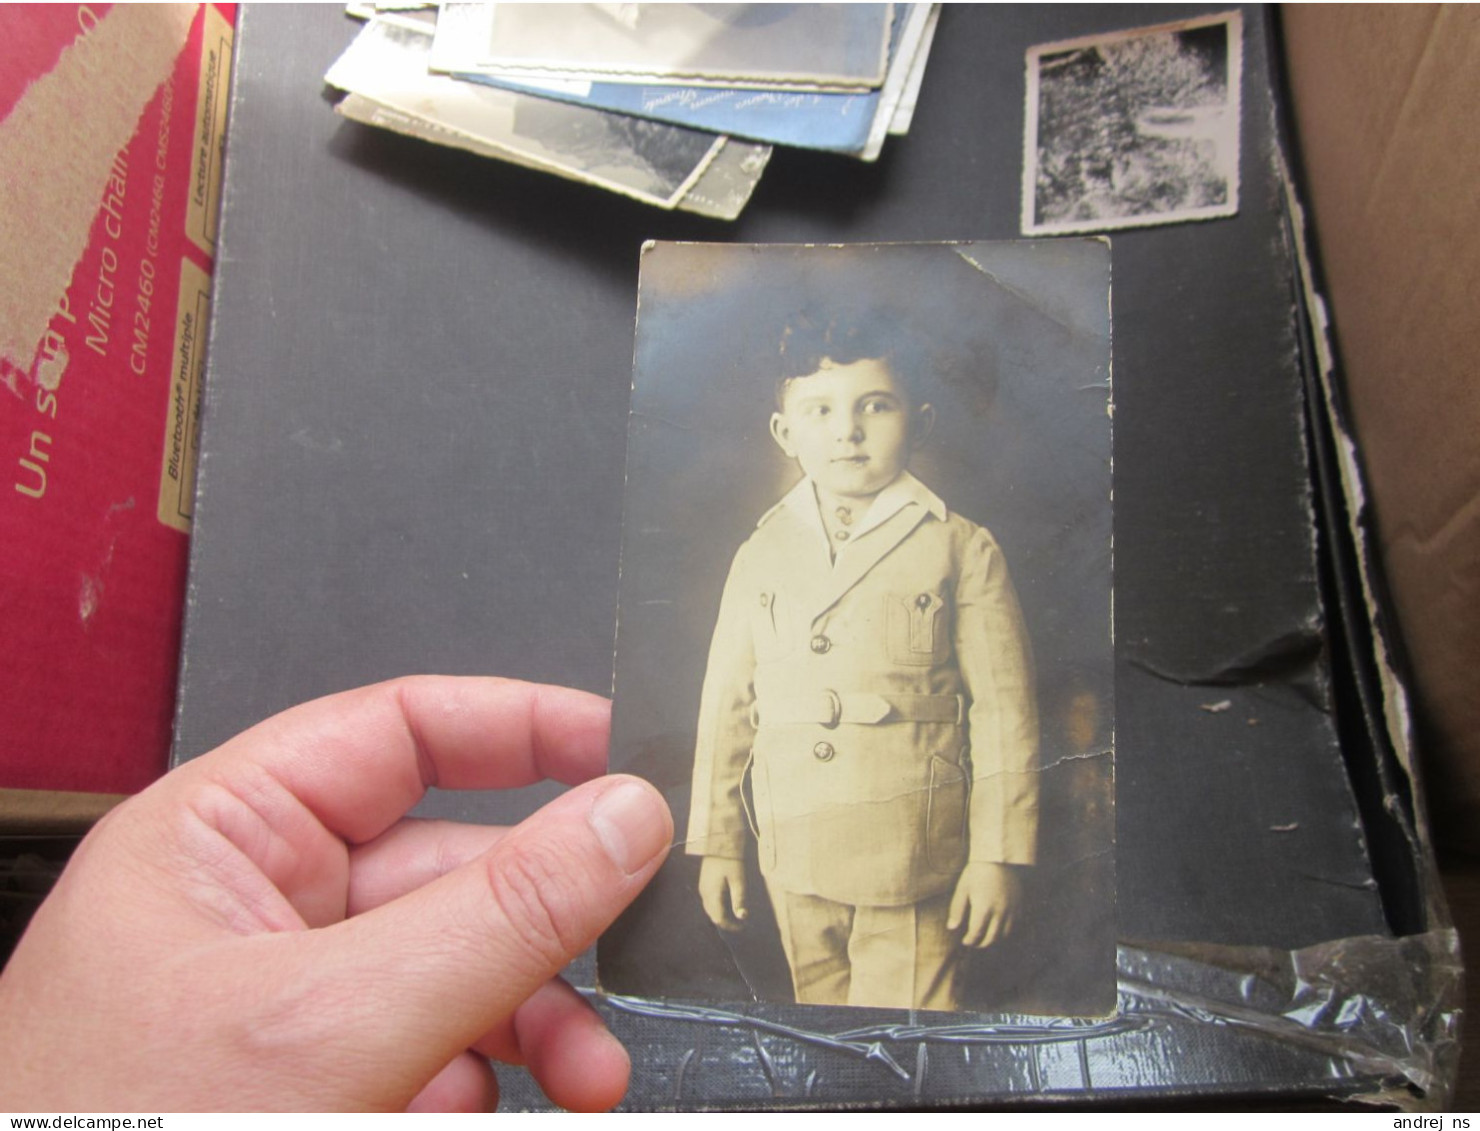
(851, 427)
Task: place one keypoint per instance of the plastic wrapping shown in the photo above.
(1371, 1019)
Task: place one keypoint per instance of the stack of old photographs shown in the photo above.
(676, 105)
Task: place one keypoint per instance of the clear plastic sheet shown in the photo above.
(1370, 1019)
(1380, 1009)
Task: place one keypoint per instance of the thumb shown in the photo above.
(420, 979)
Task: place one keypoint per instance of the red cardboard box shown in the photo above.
(111, 137)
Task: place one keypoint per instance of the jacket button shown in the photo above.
(823, 751)
(820, 644)
(841, 536)
(765, 600)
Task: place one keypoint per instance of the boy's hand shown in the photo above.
(984, 903)
(722, 888)
(260, 929)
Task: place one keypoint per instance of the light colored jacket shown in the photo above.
(881, 705)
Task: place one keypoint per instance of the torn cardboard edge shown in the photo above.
(1422, 966)
(1373, 649)
(113, 67)
(1378, 96)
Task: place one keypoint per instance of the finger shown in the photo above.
(715, 898)
(992, 922)
(991, 926)
(957, 912)
(1001, 928)
(409, 854)
(265, 816)
(448, 961)
(360, 759)
(501, 1043)
(976, 924)
(714, 907)
(467, 1084)
(724, 916)
(739, 900)
(569, 1050)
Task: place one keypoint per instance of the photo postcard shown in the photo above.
(864, 639)
(852, 122)
(909, 96)
(384, 73)
(767, 46)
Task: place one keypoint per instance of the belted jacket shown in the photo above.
(868, 717)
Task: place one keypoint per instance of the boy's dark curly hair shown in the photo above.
(888, 332)
(844, 336)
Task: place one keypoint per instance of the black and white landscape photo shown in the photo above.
(1136, 128)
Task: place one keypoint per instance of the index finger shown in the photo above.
(358, 760)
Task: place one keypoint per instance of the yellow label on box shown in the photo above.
(182, 426)
(207, 153)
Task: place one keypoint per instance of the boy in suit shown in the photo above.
(870, 675)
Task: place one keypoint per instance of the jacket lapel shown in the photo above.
(854, 564)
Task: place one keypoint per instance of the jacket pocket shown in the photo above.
(768, 628)
(919, 628)
(945, 816)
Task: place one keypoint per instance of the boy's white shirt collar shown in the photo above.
(905, 491)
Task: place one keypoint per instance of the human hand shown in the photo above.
(722, 890)
(261, 928)
(984, 903)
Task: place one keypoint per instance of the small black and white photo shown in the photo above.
(865, 640)
(1134, 128)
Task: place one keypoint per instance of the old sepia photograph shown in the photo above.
(1136, 128)
(656, 162)
(865, 639)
